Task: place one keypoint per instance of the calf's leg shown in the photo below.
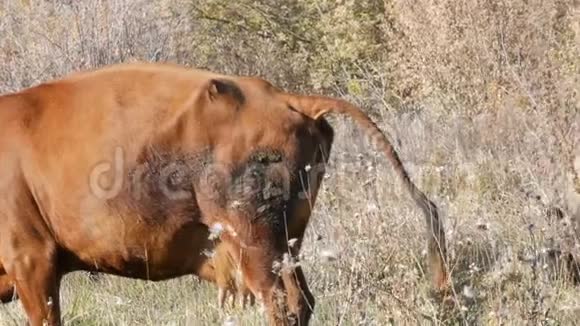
(266, 285)
(258, 258)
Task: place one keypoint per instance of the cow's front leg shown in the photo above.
(29, 256)
(37, 284)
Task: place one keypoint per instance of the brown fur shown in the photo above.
(124, 170)
(222, 261)
(228, 278)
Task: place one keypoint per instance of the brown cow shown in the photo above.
(124, 170)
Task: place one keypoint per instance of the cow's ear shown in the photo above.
(223, 88)
(315, 107)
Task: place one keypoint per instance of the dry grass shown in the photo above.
(481, 99)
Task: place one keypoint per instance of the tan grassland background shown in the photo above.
(481, 98)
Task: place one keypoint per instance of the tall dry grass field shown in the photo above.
(481, 98)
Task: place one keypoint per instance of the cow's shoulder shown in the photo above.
(20, 111)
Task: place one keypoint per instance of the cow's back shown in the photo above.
(64, 140)
(70, 126)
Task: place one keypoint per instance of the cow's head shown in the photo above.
(260, 145)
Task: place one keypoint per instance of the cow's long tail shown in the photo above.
(316, 106)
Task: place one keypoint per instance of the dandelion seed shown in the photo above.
(230, 321)
(527, 257)
(328, 255)
(215, 231)
(292, 242)
(545, 266)
(289, 262)
(236, 204)
(276, 267)
(473, 268)
(261, 209)
(208, 253)
(118, 301)
(468, 292)
(372, 207)
(307, 168)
